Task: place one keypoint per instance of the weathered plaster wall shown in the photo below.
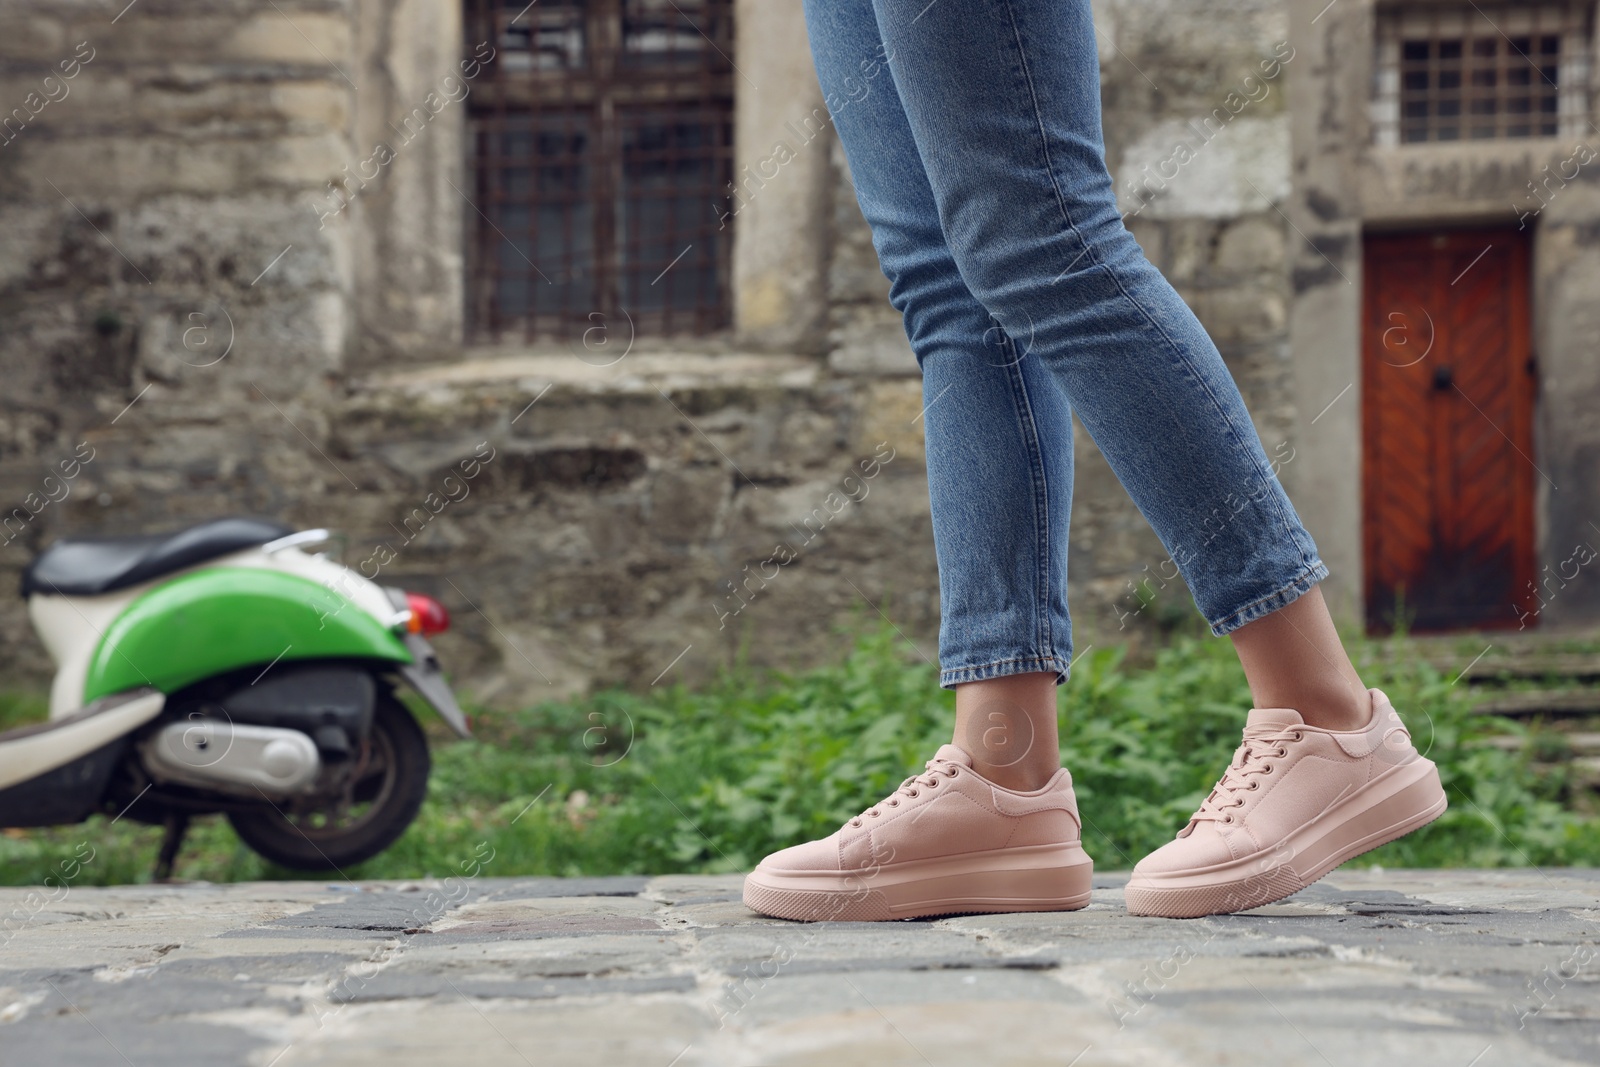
(414, 92)
(158, 261)
(780, 229)
(741, 505)
(1566, 279)
(1327, 101)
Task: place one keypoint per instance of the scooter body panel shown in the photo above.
(56, 772)
(218, 619)
(73, 627)
(33, 752)
(70, 627)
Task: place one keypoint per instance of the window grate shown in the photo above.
(601, 141)
(1447, 72)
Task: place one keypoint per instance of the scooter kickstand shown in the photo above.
(176, 824)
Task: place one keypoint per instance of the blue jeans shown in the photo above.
(972, 130)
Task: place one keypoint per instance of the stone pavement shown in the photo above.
(1448, 968)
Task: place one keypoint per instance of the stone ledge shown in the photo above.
(636, 372)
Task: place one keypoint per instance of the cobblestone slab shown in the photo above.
(1446, 968)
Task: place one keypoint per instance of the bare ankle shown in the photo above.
(1008, 726)
(1338, 710)
(1024, 777)
(1293, 659)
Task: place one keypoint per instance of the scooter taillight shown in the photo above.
(428, 616)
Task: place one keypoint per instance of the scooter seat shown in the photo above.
(89, 566)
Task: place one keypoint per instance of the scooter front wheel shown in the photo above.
(378, 799)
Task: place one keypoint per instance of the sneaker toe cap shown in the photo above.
(1203, 847)
(820, 855)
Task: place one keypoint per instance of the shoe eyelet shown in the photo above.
(914, 794)
(1267, 769)
(874, 814)
(934, 784)
(1299, 736)
(1227, 820)
(952, 772)
(1255, 783)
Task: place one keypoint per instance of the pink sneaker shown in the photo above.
(1295, 803)
(947, 841)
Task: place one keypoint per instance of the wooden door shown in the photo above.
(1447, 385)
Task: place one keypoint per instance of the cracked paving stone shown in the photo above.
(411, 986)
(384, 913)
(528, 888)
(546, 926)
(603, 955)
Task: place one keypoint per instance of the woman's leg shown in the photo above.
(997, 427)
(1002, 99)
(992, 825)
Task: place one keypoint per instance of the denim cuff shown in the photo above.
(1302, 584)
(950, 677)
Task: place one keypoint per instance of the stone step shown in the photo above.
(1586, 770)
(1582, 771)
(1562, 702)
(1585, 744)
(1582, 768)
(1492, 668)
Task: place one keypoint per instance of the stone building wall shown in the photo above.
(157, 256)
(649, 518)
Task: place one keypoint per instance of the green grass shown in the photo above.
(712, 780)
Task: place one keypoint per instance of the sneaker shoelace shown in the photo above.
(1251, 759)
(936, 770)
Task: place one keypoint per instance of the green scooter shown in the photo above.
(226, 668)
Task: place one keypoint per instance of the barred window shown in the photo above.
(601, 153)
(1469, 72)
